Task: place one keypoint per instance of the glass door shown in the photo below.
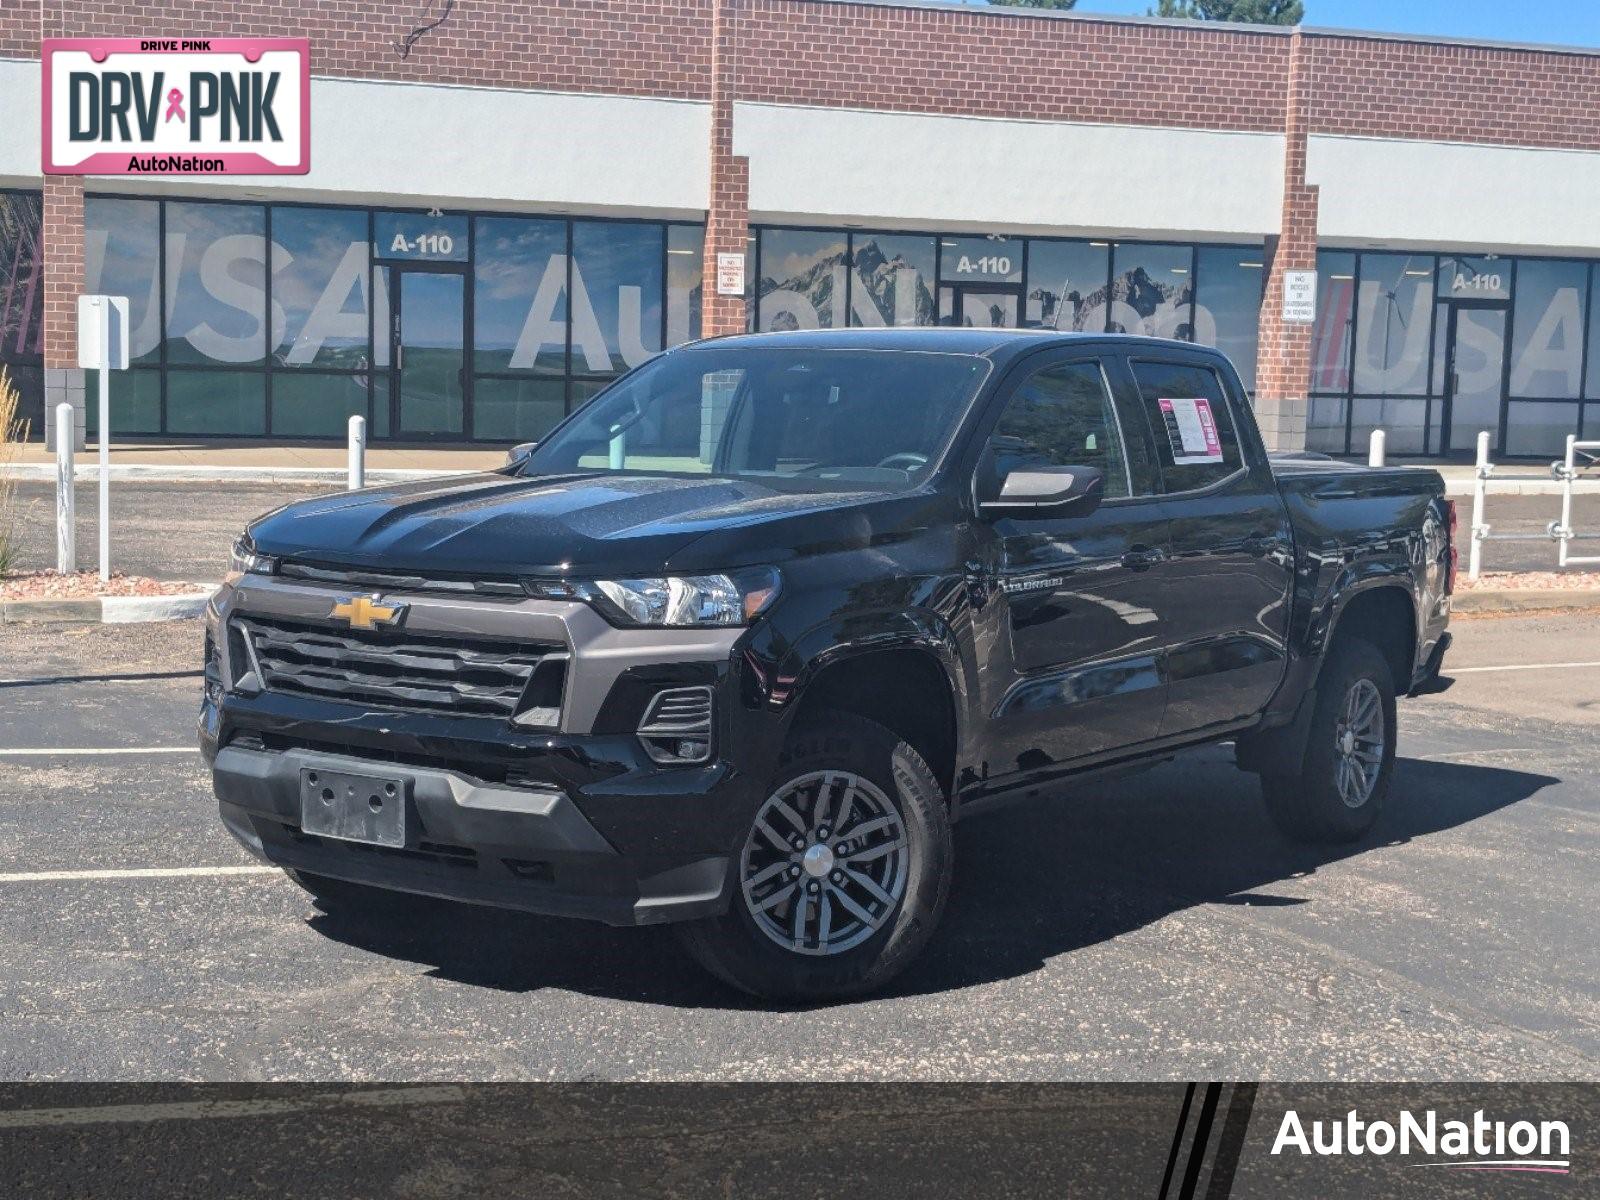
(981, 305)
(1475, 376)
(429, 353)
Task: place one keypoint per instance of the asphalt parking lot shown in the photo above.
(1153, 928)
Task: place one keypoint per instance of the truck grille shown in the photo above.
(396, 669)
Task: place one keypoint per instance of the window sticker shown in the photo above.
(1192, 430)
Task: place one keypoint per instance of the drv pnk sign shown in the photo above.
(165, 106)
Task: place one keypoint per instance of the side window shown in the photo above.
(1062, 416)
(1196, 441)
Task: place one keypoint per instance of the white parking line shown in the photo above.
(205, 1110)
(1519, 667)
(46, 752)
(136, 873)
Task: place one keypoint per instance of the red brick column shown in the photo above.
(1283, 363)
(728, 217)
(62, 235)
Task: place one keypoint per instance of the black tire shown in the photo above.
(1310, 807)
(737, 951)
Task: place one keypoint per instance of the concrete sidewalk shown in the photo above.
(314, 462)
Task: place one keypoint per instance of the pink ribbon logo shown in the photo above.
(175, 105)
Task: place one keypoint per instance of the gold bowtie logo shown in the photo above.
(365, 612)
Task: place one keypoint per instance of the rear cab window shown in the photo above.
(1191, 423)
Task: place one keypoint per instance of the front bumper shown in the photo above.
(576, 820)
(515, 847)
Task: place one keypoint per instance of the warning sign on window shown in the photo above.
(1192, 430)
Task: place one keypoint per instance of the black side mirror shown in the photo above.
(1048, 491)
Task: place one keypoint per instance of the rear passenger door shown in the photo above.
(1080, 593)
(1232, 553)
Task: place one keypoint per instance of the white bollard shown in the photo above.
(1569, 472)
(66, 495)
(357, 463)
(1480, 486)
(1375, 449)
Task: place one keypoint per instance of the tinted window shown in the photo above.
(319, 282)
(1066, 285)
(122, 257)
(616, 277)
(1062, 416)
(216, 288)
(1547, 329)
(892, 281)
(1196, 442)
(1394, 301)
(1227, 310)
(803, 281)
(1152, 290)
(520, 295)
(821, 418)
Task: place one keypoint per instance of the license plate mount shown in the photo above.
(352, 807)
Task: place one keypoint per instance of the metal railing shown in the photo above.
(1559, 531)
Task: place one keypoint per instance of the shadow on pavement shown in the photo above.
(1032, 883)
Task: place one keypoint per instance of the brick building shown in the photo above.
(576, 168)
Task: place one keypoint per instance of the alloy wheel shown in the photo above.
(1359, 735)
(825, 864)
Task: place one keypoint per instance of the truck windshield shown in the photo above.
(803, 417)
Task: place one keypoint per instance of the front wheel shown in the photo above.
(1349, 756)
(842, 873)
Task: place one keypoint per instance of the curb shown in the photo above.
(1516, 600)
(105, 610)
(202, 474)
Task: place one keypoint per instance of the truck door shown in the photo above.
(1232, 550)
(1081, 594)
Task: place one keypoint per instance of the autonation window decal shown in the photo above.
(217, 106)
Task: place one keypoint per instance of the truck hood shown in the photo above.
(497, 525)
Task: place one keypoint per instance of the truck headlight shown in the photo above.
(245, 561)
(679, 601)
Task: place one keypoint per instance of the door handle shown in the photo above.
(399, 358)
(1141, 558)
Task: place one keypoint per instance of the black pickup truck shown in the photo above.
(738, 642)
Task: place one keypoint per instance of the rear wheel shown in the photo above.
(842, 873)
(1350, 749)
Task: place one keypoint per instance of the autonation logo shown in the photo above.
(1476, 1145)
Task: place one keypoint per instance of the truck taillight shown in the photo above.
(1452, 555)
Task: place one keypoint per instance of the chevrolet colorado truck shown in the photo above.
(737, 643)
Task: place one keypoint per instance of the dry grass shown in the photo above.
(13, 432)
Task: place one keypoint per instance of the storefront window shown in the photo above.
(1547, 329)
(216, 402)
(1151, 290)
(310, 404)
(686, 246)
(617, 285)
(420, 237)
(135, 402)
(1330, 336)
(216, 283)
(319, 288)
(122, 257)
(1227, 308)
(1066, 281)
(892, 280)
(803, 280)
(1394, 301)
(21, 277)
(1474, 277)
(520, 295)
(517, 410)
(1325, 424)
(1539, 428)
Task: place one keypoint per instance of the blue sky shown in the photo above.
(1569, 22)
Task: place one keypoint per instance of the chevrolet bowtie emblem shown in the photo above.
(367, 612)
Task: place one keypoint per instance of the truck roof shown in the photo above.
(989, 343)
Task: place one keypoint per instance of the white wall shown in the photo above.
(19, 122)
(1453, 196)
(920, 171)
(416, 144)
